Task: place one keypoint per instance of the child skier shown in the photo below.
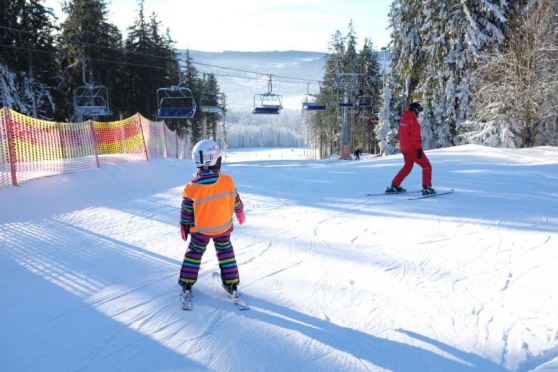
(209, 201)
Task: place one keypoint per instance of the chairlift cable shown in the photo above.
(303, 80)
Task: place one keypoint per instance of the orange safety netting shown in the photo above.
(32, 148)
(120, 140)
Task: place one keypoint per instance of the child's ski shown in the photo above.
(241, 304)
(187, 300)
(234, 296)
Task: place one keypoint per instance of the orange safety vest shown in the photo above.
(213, 205)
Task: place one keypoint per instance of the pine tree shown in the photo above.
(28, 57)
(211, 97)
(454, 35)
(151, 64)
(386, 135)
(350, 58)
(368, 100)
(445, 53)
(436, 49)
(407, 64)
(350, 77)
(516, 90)
(326, 124)
(405, 19)
(87, 37)
(192, 80)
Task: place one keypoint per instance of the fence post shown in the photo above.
(9, 138)
(165, 139)
(94, 137)
(176, 143)
(143, 137)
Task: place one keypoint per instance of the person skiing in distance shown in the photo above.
(410, 143)
(358, 151)
(209, 201)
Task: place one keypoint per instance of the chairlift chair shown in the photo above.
(364, 101)
(311, 102)
(213, 103)
(92, 100)
(342, 103)
(268, 103)
(175, 103)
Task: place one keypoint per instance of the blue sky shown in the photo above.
(255, 25)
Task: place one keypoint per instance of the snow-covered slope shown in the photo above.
(337, 281)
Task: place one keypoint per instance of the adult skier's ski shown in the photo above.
(451, 191)
(186, 299)
(395, 193)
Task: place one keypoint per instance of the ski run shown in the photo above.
(335, 280)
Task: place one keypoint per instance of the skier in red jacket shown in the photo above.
(410, 143)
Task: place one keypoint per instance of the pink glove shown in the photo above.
(241, 217)
(183, 232)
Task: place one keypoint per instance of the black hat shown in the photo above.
(416, 107)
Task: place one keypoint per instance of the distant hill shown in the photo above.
(241, 75)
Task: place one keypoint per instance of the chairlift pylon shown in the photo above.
(346, 84)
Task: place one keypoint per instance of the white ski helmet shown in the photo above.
(206, 153)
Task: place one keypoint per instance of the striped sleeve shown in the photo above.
(238, 205)
(187, 212)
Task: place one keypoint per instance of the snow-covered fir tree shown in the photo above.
(248, 130)
(442, 40)
(406, 64)
(27, 57)
(89, 46)
(516, 88)
(386, 135)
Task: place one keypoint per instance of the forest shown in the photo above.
(485, 71)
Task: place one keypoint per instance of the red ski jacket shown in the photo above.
(409, 132)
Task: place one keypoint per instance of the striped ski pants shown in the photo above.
(225, 256)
